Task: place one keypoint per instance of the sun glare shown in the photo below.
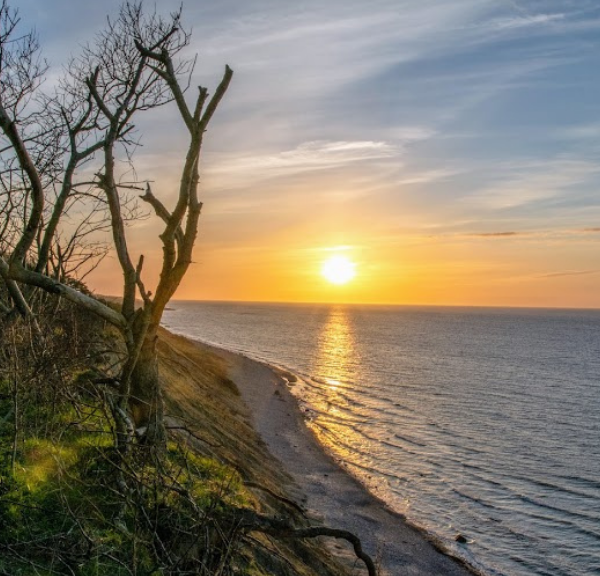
(338, 270)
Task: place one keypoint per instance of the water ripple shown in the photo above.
(479, 421)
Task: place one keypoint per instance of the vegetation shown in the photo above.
(68, 504)
(90, 481)
(212, 502)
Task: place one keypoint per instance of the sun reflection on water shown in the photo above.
(336, 348)
(337, 369)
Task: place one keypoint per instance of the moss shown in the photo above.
(42, 461)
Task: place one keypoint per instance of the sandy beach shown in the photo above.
(329, 494)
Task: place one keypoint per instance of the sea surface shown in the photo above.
(474, 421)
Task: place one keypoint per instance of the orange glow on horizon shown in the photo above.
(415, 269)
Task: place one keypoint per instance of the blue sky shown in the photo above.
(472, 124)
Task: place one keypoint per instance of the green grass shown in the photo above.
(62, 495)
(69, 503)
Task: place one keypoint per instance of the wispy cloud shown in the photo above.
(411, 177)
(525, 21)
(309, 156)
(496, 234)
(526, 183)
(570, 273)
(589, 131)
(562, 235)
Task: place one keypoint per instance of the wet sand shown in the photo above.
(330, 495)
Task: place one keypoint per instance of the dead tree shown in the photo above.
(132, 68)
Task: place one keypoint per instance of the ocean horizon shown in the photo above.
(471, 421)
(172, 303)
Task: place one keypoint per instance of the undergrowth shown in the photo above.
(69, 504)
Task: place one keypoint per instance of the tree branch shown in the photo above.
(37, 190)
(19, 273)
(251, 521)
(160, 210)
(146, 296)
(216, 99)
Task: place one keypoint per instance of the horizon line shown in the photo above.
(386, 304)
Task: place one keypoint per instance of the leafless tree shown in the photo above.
(61, 149)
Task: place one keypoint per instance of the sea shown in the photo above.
(483, 422)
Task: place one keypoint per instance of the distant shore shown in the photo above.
(329, 494)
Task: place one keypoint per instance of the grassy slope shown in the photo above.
(60, 509)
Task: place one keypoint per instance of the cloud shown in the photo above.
(526, 21)
(529, 182)
(307, 157)
(547, 234)
(570, 273)
(425, 177)
(583, 131)
(495, 234)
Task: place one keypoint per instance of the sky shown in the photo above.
(449, 148)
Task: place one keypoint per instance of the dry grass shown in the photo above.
(199, 393)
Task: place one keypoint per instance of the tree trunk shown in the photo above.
(145, 400)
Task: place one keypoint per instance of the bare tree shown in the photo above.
(63, 148)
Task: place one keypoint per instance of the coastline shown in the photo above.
(329, 493)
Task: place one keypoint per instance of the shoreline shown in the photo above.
(329, 493)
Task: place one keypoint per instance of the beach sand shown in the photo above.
(329, 494)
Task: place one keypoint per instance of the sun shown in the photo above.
(338, 270)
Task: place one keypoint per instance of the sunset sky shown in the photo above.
(450, 149)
